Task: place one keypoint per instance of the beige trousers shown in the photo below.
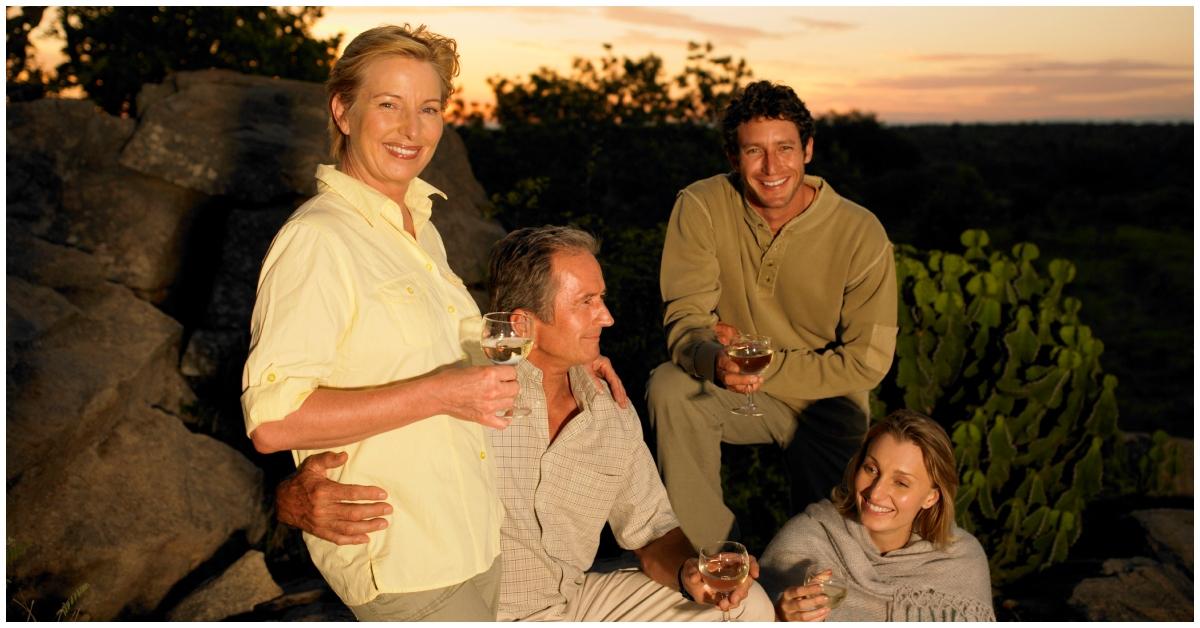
(473, 600)
(629, 595)
(692, 417)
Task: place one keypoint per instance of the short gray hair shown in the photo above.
(519, 269)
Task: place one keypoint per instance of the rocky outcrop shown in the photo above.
(106, 487)
(65, 185)
(115, 479)
(1142, 588)
(245, 584)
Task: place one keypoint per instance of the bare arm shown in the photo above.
(332, 418)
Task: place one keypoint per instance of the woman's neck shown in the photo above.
(891, 540)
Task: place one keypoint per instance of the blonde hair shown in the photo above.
(936, 523)
(347, 74)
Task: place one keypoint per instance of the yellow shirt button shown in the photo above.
(428, 266)
(270, 377)
(451, 309)
(482, 455)
(410, 290)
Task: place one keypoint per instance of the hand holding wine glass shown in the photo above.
(724, 566)
(832, 583)
(507, 338)
(752, 353)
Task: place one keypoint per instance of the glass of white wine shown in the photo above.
(507, 338)
(752, 353)
(724, 566)
(833, 584)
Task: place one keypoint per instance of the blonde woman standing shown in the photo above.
(355, 346)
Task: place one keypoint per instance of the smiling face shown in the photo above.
(579, 313)
(892, 486)
(771, 161)
(394, 125)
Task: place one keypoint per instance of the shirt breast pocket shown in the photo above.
(408, 304)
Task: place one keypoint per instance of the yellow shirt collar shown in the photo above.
(372, 203)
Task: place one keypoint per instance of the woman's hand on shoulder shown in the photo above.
(602, 369)
(802, 603)
(477, 393)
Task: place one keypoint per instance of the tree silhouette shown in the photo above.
(113, 51)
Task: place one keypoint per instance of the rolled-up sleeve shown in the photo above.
(304, 305)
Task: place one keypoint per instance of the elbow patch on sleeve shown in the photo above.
(882, 348)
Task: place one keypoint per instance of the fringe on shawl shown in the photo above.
(910, 605)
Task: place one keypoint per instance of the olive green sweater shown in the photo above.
(823, 288)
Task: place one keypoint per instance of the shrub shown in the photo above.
(992, 348)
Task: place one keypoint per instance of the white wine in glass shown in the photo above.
(833, 584)
(752, 353)
(507, 338)
(724, 566)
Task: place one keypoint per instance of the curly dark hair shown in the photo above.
(764, 99)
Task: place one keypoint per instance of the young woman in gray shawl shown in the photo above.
(890, 533)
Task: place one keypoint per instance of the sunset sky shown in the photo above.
(927, 64)
(905, 64)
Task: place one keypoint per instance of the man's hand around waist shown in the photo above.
(309, 500)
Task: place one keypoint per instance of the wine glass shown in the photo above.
(724, 566)
(507, 338)
(833, 584)
(752, 353)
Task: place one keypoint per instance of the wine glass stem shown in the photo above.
(750, 400)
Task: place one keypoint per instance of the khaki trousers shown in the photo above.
(629, 595)
(692, 417)
(473, 600)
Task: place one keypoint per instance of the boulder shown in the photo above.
(228, 134)
(106, 487)
(460, 217)
(66, 186)
(1169, 531)
(244, 585)
(1137, 589)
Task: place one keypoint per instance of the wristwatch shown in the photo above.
(682, 589)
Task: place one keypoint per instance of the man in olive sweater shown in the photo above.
(769, 250)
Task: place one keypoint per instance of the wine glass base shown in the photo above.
(748, 411)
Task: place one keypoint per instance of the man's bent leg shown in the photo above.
(473, 600)
(691, 418)
(629, 595)
(828, 433)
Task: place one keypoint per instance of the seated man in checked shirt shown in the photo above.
(578, 461)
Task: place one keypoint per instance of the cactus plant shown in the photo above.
(994, 349)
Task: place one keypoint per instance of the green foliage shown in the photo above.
(113, 51)
(991, 346)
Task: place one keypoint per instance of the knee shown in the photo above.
(757, 606)
(668, 386)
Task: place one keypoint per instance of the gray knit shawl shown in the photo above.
(917, 582)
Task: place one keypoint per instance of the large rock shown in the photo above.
(244, 585)
(460, 217)
(65, 186)
(1170, 533)
(106, 486)
(229, 134)
(1137, 589)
